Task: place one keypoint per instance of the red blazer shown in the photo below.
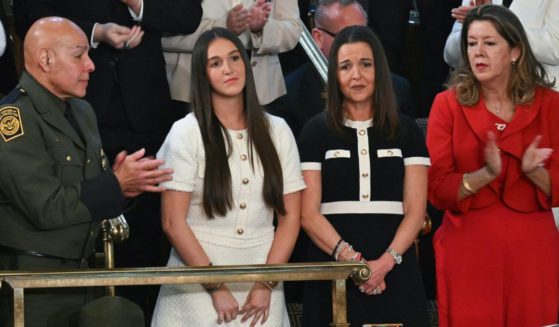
(456, 137)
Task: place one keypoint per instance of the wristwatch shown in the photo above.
(397, 256)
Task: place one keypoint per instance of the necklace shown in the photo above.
(501, 108)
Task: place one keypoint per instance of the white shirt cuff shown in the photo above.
(2, 40)
(94, 44)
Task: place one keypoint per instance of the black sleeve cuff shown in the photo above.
(102, 196)
(129, 204)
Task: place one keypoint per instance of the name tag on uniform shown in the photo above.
(383, 153)
(333, 154)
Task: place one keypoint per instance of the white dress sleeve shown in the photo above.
(181, 151)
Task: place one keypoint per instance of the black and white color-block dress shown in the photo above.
(362, 189)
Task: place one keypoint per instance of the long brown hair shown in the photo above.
(217, 194)
(385, 112)
(526, 73)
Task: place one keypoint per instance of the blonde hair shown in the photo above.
(527, 73)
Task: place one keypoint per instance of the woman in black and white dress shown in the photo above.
(366, 173)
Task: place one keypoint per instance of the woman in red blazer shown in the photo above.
(494, 144)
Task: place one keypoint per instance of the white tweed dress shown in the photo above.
(243, 236)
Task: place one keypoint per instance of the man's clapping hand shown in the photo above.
(259, 14)
(137, 174)
(118, 36)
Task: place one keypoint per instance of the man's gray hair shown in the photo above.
(320, 16)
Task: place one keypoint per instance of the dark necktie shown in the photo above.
(72, 120)
(507, 3)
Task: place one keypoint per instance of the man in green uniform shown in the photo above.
(55, 181)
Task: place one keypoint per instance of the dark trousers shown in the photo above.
(44, 307)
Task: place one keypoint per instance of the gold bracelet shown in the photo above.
(212, 287)
(269, 284)
(466, 184)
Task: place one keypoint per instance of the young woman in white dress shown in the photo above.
(234, 166)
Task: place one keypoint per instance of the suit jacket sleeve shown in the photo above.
(162, 15)
(541, 22)
(172, 16)
(452, 45)
(551, 136)
(444, 180)
(185, 43)
(215, 15)
(282, 31)
(26, 12)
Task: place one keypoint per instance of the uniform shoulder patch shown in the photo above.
(11, 125)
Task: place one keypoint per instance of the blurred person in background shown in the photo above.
(305, 89)
(265, 28)
(389, 20)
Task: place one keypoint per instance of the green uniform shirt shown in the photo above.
(55, 185)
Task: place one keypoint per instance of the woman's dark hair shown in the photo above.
(526, 72)
(385, 110)
(217, 194)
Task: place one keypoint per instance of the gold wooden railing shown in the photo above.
(338, 272)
